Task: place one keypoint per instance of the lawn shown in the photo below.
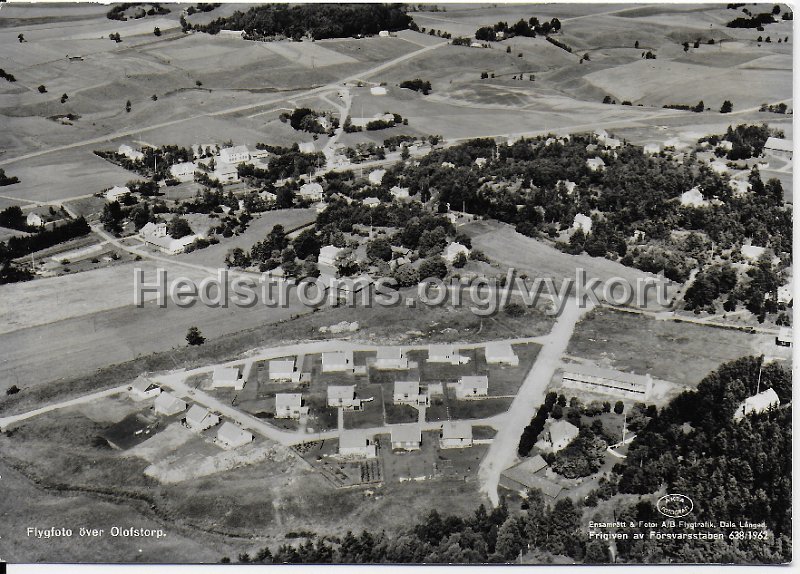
(478, 409)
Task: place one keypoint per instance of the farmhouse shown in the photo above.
(233, 436)
(472, 386)
(376, 176)
(337, 362)
(227, 377)
(183, 171)
(445, 354)
(406, 437)
(200, 419)
(356, 444)
(501, 353)
(759, 403)
(408, 393)
(779, 147)
(34, 220)
(234, 155)
(225, 173)
(116, 192)
(167, 244)
(306, 147)
(344, 396)
(151, 229)
(130, 153)
(167, 404)
(283, 370)
(522, 478)
(784, 337)
(377, 90)
(391, 358)
(607, 381)
(143, 388)
(452, 251)
(595, 163)
(289, 406)
(693, 198)
(582, 222)
(456, 434)
(557, 435)
(311, 191)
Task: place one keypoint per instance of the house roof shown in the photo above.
(170, 402)
(345, 392)
(475, 381)
(336, 358)
(390, 353)
(499, 349)
(406, 387)
(281, 366)
(457, 430)
(406, 433)
(523, 474)
(197, 414)
(778, 144)
(562, 430)
(143, 384)
(760, 402)
(235, 150)
(226, 373)
(232, 433)
(330, 252)
(312, 188)
(441, 351)
(376, 175)
(288, 400)
(353, 439)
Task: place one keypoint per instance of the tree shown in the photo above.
(727, 107)
(21, 38)
(636, 44)
(64, 98)
(619, 407)
(154, 97)
(157, 31)
(12, 390)
(509, 539)
(178, 227)
(596, 553)
(379, 248)
(433, 267)
(194, 336)
(128, 106)
(460, 261)
(42, 89)
(112, 216)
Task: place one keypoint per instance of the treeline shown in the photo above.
(118, 11)
(318, 21)
(526, 28)
(21, 246)
(417, 85)
(6, 180)
(559, 44)
(6, 76)
(754, 21)
(732, 470)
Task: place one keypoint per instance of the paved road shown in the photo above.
(503, 451)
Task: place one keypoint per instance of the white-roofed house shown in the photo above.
(568, 185)
(453, 250)
(390, 358)
(151, 229)
(784, 337)
(472, 386)
(652, 149)
(227, 377)
(779, 147)
(289, 406)
(306, 147)
(406, 437)
(225, 173)
(236, 154)
(456, 434)
(595, 163)
(356, 444)
(409, 393)
(693, 198)
(169, 245)
(444, 354)
(607, 381)
(753, 252)
(117, 192)
(757, 404)
(329, 255)
(143, 388)
(557, 435)
(500, 353)
(130, 153)
(370, 202)
(376, 176)
(344, 396)
(311, 191)
(233, 436)
(337, 362)
(582, 222)
(283, 370)
(183, 171)
(377, 90)
(167, 404)
(480, 161)
(399, 192)
(200, 418)
(34, 220)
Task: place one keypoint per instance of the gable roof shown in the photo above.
(457, 430)
(475, 381)
(561, 430)
(232, 433)
(169, 402)
(197, 414)
(406, 433)
(345, 392)
(143, 384)
(288, 400)
(353, 439)
(410, 388)
(778, 144)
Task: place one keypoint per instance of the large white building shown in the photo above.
(183, 171)
(311, 191)
(501, 353)
(234, 155)
(557, 435)
(607, 381)
(779, 147)
(582, 222)
(759, 403)
(329, 255)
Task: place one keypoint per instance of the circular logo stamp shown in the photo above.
(675, 505)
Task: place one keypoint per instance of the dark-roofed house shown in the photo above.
(523, 477)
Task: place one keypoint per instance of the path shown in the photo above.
(503, 451)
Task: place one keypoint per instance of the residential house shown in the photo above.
(784, 337)
(406, 437)
(234, 155)
(472, 386)
(526, 476)
(344, 396)
(762, 402)
(130, 153)
(582, 222)
(311, 191)
(456, 434)
(167, 404)
(453, 250)
(306, 147)
(356, 444)
(557, 435)
(370, 202)
(779, 147)
(169, 245)
(225, 173)
(693, 198)
(595, 164)
(227, 377)
(607, 381)
(34, 220)
(289, 406)
(329, 255)
(399, 192)
(375, 177)
(233, 436)
(183, 171)
(445, 354)
(391, 358)
(500, 353)
(151, 229)
(199, 418)
(283, 370)
(117, 192)
(377, 90)
(143, 388)
(409, 393)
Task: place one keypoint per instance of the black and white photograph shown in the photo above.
(382, 284)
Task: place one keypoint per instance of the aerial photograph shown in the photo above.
(440, 283)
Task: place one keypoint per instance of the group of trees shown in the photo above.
(18, 246)
(526, 28)
(136, 9)
(317, 21)
(308, 120)
(6, 76)
(7, 180)
(417, 85)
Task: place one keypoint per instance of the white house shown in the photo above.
(582, 222)
(399, 192)
(377, 90)
(337, 362)
(456, 434)
(779, 147)
(501, 353)
(652, 149)
(233, 436)
(130, 153)
(356, 444)
(784, 337)
(568, 185)
(759, 403)
(200, 419)
(406, 437)
(480, 161)
(225, 173)
(612, 143)
(409, 393)
(453, 250)
(151, 229)
(306, 147)
(289, 406)
(718, 167)
(445, 354)
(311, 191)
(725, 145)
(116, 192)
(167, 404)
(376, 176)
(34, 220)
(384, 34)
(169, 245)
(234, 155)
(472, 386)
(595, 164)
(557, 435)
(391, 358)
(143, 388)
(753, 252)
(693, 198)
(329, 255)
(344, 396)
(283, 370)
(786, 293)
(370, 202)
(227, 377)
(183, 171)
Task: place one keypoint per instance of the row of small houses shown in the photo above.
(360, 444)
(197, 418)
